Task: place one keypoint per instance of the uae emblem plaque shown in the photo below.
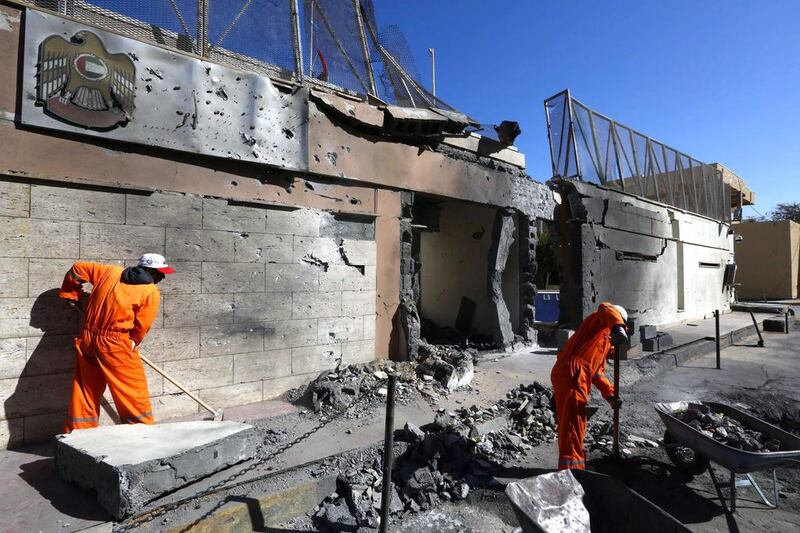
(80, 82)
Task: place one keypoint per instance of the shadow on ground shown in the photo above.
(665, 486)
(257, 520)
(68, 499)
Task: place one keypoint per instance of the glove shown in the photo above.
(618, 335)
(614, 402)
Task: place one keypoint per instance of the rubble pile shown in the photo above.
(442, 369)
(726, 430)
(532, 410)
(599, 437)
(501, 432)
(336, 390)
(443, 461)
(356, 504)
(430, 467)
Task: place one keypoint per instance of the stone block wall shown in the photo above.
(263, 300)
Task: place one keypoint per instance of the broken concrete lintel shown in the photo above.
(371, 117)
(502, 239)
(394, 112)
(360, 113)
(130, 465)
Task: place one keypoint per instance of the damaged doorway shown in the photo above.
(547, 281)
(547, 278)
(455, 250)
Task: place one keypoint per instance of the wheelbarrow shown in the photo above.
(580, 500)
(692, 451)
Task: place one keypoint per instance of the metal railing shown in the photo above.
(589, 146)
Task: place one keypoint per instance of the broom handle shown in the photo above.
(169, 378)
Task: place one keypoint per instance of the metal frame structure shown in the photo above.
(590, 146)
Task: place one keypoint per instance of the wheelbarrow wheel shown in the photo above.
(683, 457)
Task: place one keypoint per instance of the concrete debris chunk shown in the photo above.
(659, 343)
(647, 332)
(776, 324)
(451, 367)
(550, 503)
(130, 465)
(413, 433)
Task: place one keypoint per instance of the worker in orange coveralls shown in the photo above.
(122, 307)
(581, 363)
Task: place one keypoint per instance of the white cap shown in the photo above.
(157, 262)
(621, 310)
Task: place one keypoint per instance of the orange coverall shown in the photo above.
(117, 313)
(581, 363)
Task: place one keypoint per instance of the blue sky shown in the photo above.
(719, 80)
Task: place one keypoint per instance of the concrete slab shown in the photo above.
(130, 465)
(32, 498)
(760, 307)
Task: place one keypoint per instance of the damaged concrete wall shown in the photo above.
(454, 265)
(502, 241)
(338, 149)
(263, 299)
(662, 264)
(528, 267)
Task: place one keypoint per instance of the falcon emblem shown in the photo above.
(81, 83)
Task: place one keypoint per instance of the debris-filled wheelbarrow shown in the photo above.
(692, 450)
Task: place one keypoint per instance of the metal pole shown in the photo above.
(202, 27)
(716, 336)
(755, 325)
(615, 448)
(574, 140)
(786, 319)
(432, 52)
(388, 445)
(297, 46)
(362, 35)
(311, 30)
